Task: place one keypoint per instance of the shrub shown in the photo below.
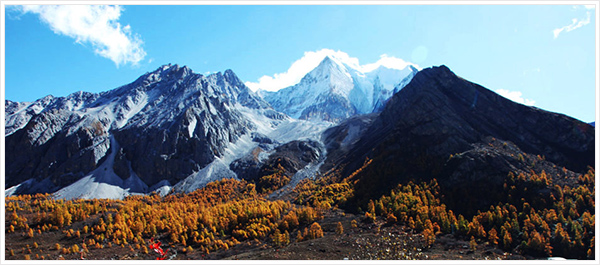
(339, 228)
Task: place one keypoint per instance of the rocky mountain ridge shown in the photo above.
(159, 129)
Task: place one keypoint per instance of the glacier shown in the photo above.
(335, 90)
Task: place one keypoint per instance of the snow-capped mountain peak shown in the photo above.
(163, 72)
(335, 90)
(328, 76)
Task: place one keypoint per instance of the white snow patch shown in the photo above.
(293, 129)
(212, 109)
(263, 123)
(192, 127)
(238, 149)
(162, 188)
(95, 185)
(216, 170)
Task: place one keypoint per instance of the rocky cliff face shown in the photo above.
(292, 157)
(341, 139)
(184, 128)
(165, 125)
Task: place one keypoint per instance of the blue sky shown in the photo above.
(541, 55)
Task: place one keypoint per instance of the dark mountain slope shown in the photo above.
(439, 115)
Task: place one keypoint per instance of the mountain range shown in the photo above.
(173, 130)
(170, 126)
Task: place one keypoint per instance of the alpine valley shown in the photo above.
(385, 164)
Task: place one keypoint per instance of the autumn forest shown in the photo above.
(559, 221)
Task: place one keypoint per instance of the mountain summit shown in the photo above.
(156, 131)
(334, 91)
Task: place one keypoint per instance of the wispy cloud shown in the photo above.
(311, 59)
(515, 96)
(575, 23)
(96, 25)
(532, 71)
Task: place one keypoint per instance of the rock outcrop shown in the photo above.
(292, 157)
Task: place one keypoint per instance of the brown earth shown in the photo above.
(364, 242)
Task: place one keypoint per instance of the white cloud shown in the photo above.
(96, 25)
(311, 59)
(387, 61)
(588, 7)
(515, 96)
(576, 23)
